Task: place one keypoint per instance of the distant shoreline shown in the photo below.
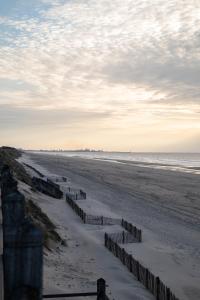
(180, 162)
(107, 151)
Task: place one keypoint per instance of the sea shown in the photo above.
(182, 162)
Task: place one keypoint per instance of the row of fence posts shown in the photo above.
(78, 210)
(101, 220)
(123, 237)
(137, 233)
(22, 247)
(151, 282)
(76, 194)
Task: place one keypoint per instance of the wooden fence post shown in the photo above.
(131, 228)
(137, 271)
(105, 239)
(147, 278)
(123, 256)
(157, 288)
(130, 263)
(85, 217)
(123, 237)
(140, 236)
(168, 293)
(101, 289)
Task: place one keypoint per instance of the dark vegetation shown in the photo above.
(8, 157)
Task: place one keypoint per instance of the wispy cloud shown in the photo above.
(127, 60)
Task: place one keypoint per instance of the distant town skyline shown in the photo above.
(113, 75)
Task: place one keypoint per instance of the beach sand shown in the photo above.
(165, 204)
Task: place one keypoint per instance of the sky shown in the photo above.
(113, 75)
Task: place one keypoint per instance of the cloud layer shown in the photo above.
(132, 66)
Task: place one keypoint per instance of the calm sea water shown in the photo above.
(183, 162)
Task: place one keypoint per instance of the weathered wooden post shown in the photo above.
(130, 263)
(123, 256)
(137, 271)
(123, 237)
(167, 293)
(147, 278)
(84, 218)
(157, 288)
(131, 228)
(105, 240)
(101, 289)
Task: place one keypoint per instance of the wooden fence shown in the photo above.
(100, 292)
(78, 210)
(137, 233)
(47, 187)
(122, 237)
(91, 219)
(75, 194)
(101, 220)
(151, 282)
(51, 182)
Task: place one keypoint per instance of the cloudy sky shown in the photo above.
(113, 75)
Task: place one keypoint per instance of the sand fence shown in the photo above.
(150, 281)
(113, 242)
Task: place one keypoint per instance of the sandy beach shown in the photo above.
(164, 204)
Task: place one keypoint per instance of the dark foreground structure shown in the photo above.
(22, 245)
